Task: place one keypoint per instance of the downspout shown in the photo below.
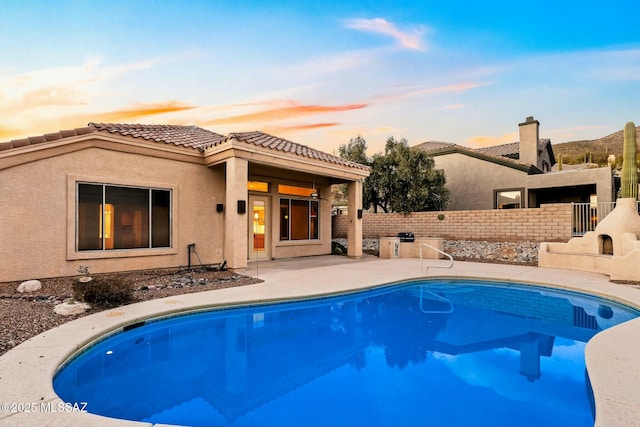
(190, 248)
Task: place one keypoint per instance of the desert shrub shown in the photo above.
(108, 291)
(338, 249)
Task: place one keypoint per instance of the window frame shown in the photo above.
(71, 215)
(310, 218)
(104, 202)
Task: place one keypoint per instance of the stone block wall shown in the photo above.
(549, 223)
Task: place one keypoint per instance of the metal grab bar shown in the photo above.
(438, 251)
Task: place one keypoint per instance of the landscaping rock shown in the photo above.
(29, 286)
(69, 308)
(472, 250)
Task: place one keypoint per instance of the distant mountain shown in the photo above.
(594, 151)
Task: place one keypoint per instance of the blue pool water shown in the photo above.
(439, 353)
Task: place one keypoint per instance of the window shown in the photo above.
(262, 187)
(296, 191)
(509, 199)
(111, 217)
(298, 219)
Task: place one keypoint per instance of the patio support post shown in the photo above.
(354, 230)
(235, 220)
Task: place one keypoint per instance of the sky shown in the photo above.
(322, 72)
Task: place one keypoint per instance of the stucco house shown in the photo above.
(118, 197)
(521, 174)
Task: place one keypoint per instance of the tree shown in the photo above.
(404, 180)
(355, 151)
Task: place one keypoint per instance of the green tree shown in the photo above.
(356, 151)
(404, 180)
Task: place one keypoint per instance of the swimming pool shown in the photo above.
(420, 353)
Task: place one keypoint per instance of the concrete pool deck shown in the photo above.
(26, 372)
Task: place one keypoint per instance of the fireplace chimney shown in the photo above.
(529, 135)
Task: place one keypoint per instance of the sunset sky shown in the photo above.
(322, 72)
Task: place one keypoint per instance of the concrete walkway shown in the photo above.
(26, 372)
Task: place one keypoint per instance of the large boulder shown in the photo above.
(69, 308)
(29, 286)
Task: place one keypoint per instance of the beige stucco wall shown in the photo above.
(471, 182)
(37, 215)
(601, 177)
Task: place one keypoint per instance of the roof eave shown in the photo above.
(529, 169)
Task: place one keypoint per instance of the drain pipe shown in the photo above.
(190, 248)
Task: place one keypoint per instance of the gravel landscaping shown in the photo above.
(24, 315)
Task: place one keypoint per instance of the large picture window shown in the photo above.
(298, 219)
(112, 217)
(509, 199)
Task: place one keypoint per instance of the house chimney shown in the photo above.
(529, 135)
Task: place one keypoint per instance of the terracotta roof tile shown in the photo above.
(45, 138)
(261, 139)
(20, 142)
(186, 136)
(53, 136)
(37, 139)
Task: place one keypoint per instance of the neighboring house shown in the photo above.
(118, 197)
(516, 175)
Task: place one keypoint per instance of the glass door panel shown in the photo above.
(258, 228)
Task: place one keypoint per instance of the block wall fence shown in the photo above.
(548, 223)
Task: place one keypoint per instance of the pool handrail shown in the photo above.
(438, 297)
(438, 251)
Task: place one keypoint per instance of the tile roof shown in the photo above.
(45, 138)
(264, 140)
(509, 153)
(511, 150)
(186, 136)
(436, 148)
(435, 145)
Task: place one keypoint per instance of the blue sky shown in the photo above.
(322, 72)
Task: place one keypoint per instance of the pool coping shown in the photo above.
(26, 371)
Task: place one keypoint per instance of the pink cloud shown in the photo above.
(453, 88)
(408, 39)
(294, 128)
(293, 110)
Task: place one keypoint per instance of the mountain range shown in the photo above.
(593, 151)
